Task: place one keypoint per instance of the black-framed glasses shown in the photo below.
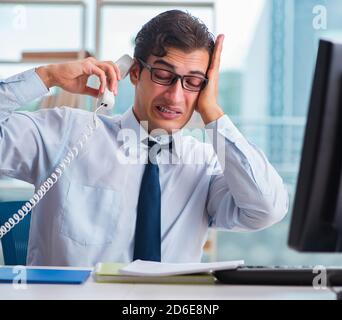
(168, 78)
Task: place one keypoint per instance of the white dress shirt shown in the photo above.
(89, 215)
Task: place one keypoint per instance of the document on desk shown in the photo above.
(156, 269)
(109, 272)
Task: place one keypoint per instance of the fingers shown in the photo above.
(108, 73)
(118, 73)
(215, 62)
(91, 92)
(112, 75)
(93, 69)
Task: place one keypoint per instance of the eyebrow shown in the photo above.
(169, 65)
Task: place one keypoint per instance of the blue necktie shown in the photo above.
(147, 229)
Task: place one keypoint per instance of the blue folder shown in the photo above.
(52, 276)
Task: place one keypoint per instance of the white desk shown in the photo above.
(104, 291)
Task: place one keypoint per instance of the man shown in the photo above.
(106, 209)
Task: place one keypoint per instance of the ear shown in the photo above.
(134, 73)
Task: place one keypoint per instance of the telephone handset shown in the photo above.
(105, 100)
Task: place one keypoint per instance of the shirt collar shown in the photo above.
(129, 121)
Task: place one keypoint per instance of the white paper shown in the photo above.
(152, 268)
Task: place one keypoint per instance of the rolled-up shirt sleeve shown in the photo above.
(247, 193)
(19, 89)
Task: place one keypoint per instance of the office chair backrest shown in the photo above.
(14, 243)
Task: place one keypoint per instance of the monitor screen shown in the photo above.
(316, 223)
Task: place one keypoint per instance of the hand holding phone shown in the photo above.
(107, 98)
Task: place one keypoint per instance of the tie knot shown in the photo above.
(153, 150)
(151, 143)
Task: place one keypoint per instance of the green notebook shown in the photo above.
(109, 272)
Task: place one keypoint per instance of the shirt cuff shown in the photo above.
(26, 86)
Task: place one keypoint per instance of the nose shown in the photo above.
(175, 91)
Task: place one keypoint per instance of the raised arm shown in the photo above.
(30, 142)
(248, 194)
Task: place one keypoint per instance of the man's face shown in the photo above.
(168, 107)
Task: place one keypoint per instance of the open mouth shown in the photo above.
(167, 113)
(166, 110)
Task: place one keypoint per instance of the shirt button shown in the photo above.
(158, 138)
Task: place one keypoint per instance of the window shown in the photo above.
(37, 26)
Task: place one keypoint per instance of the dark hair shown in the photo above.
(176, 29)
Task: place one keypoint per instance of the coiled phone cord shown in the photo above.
(53, 178)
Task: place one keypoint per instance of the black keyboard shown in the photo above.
(279, 275)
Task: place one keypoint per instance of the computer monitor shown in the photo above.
(316, 223)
